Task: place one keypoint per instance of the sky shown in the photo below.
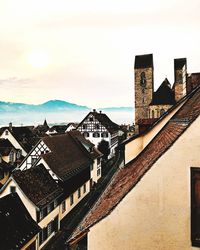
(83, 51)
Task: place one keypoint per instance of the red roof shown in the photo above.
(126, 178)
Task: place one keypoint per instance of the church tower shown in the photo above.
(143, 86)
(180, 78)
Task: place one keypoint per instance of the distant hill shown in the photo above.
(53, 106)
(50, 106)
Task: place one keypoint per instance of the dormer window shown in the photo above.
(6, 132)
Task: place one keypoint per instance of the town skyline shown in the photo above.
(84, 52)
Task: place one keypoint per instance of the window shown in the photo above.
(91, 167)
(152, 114)
(91, 119)
(43, 213)
(162, 111)
(50, 207)
(195, 206)
(86, 134)
(11, 157)
(63, 206)
(84, 188)
(6, 132)
(71, 198)
(85, 126)
(49, 229)
(96, 134)
(79, 192)
(98, 171)
(98, 161)
(33, 159)
(43, 235)
(19, 154)
(12, 189)
(104, 134)
(97, 126)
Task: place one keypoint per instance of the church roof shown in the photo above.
(126, 178)
(143, 61)
(17, 226)
(164, 94)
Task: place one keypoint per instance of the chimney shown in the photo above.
(10, 126)
(180, 78)
(100, 111)
(94, 110)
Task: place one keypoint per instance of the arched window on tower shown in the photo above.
(152, 114)
(162, 111)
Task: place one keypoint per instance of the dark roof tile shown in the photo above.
(38, 185)
(17, 226)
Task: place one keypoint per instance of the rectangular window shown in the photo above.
(50, 207)
(98, 161)
(63, 206)
(98, 171)
(79, 192)
(12, 189)
(49, 229)
(43, 235)
(84, 188)
(71, 199)
(195, 206)
(33, 159)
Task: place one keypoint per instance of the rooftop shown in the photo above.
(17, 226)
(143, 61)
(126, 178)
(38, 185)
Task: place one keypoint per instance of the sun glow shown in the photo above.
(39, 59)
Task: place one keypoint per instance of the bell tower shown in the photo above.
(143, 86)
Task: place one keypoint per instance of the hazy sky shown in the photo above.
(83, 51)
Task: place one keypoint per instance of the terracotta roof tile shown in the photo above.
(126, 178)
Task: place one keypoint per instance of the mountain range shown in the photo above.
(51, 106)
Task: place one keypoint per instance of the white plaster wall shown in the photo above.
(76, 201)
(156, 213)
(134, 147)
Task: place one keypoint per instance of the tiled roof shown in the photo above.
(144, 61)
(38, 185)
(5, 147)
(59, 128)
(67, 155)
(126, 178)
(75, 182)
(24, 136)
(17, 226)
(147, 121)
(164, 95)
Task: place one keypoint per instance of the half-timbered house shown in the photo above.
(97, 126)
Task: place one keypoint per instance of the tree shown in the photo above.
(103, 147)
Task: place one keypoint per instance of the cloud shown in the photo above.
(14, 82)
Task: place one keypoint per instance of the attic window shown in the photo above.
(12, 189)
(6, 132)
(91, 119)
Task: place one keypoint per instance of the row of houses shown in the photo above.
(46, 177)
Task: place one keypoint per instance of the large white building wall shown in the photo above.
(156, 213)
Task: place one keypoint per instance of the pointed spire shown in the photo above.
(45, 123)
